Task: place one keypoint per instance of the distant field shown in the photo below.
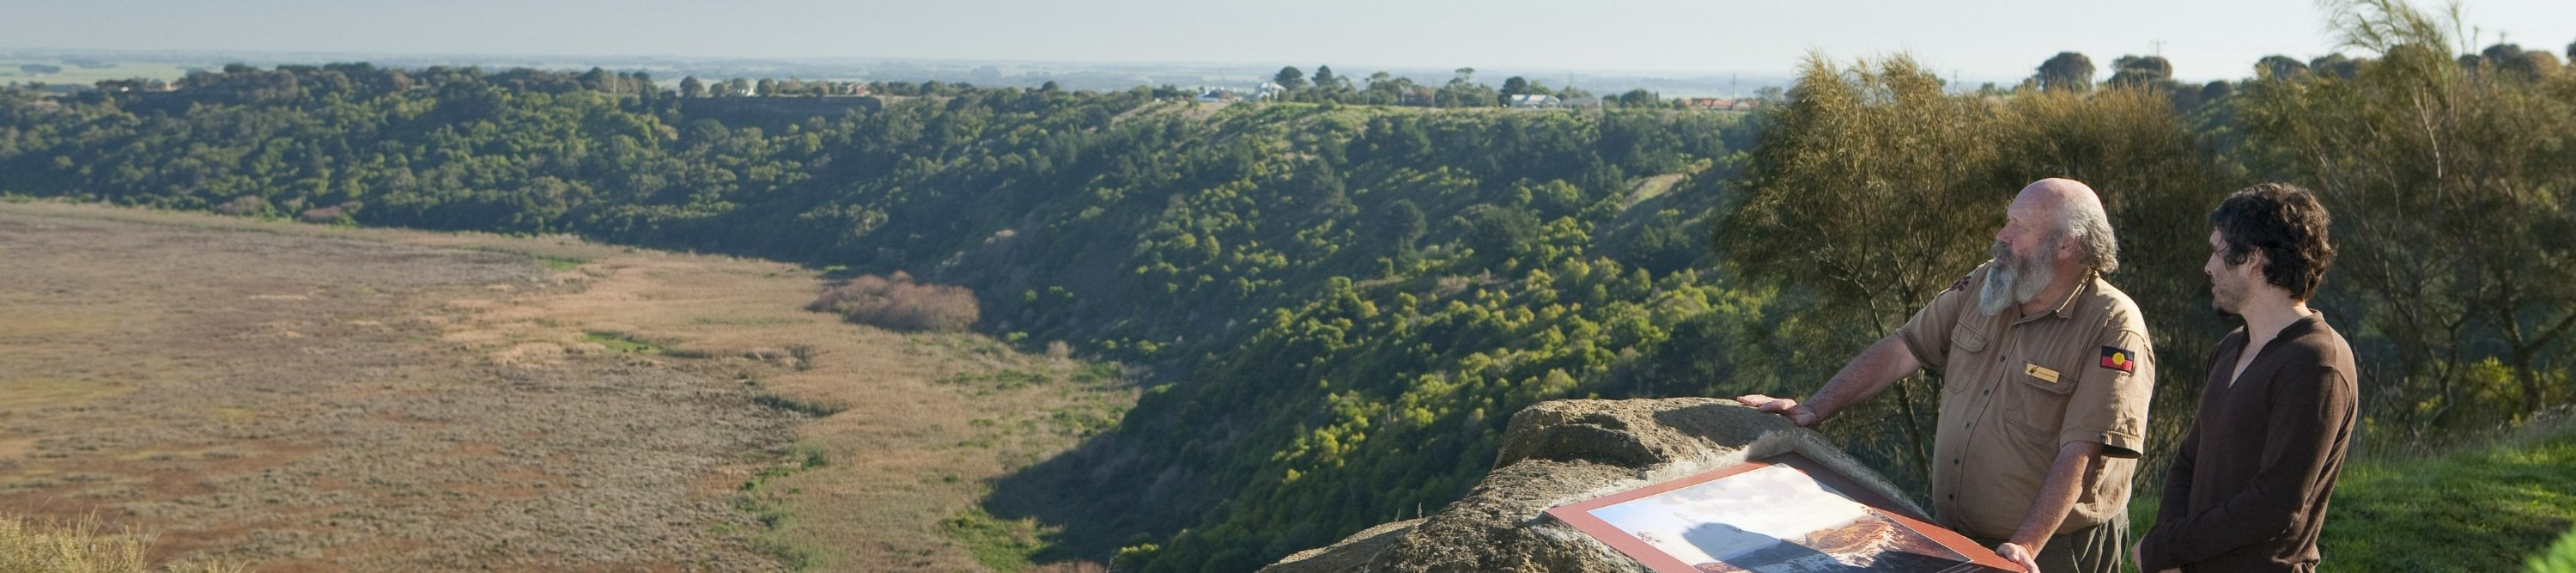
(74, 74)
(305, 398)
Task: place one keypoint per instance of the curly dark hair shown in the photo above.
(2288, 224)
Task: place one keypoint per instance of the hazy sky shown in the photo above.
(2000, 38)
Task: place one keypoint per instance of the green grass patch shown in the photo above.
(997, 382)
(2561, 557)
(561, 263)
(1005, 545)
(2483, 507)
(768, 503)
(619, 342)
(815, 409)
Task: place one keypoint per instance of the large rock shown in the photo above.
(1568, 451)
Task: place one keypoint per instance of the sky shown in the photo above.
(2205, 39)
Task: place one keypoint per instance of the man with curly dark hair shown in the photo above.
(2248, 490)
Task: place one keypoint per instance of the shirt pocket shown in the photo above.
(1967, 338)
(2038, 405)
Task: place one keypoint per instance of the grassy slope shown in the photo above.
(2480, 508)
(886, 475)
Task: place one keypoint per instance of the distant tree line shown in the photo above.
(1344, 299)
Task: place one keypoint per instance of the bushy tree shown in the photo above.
(2066, 71)
(1289, 77)
(2429, 169)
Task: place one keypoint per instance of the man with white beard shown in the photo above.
(2045, 387)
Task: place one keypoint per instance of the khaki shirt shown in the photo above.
(2017, 388)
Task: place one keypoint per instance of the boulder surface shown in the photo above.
(1567, 451)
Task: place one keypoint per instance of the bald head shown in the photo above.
(2073, 213)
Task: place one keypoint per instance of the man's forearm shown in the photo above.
(2058, 493)
(1867, 375)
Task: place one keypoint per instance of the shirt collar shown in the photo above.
(2066, 308)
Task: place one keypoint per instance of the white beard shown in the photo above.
(2012, 281)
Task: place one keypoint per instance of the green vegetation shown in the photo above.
(814, 409)
(764, 502)
(1340, 305)
(2479, 508)
(561, 263)
(1005, 545)
(619, 342)
(2561, 557)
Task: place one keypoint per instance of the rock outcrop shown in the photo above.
(1567, 451)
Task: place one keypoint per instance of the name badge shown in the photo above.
(2036, 371)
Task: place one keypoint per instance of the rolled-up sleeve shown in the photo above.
(1927, 335)
(2109, 405)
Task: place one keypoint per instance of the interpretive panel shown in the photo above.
(1783, 514)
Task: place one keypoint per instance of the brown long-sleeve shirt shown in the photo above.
(2248, 490)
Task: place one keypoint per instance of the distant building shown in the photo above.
(1217, 95)
(1533, 100)
(1719, 103)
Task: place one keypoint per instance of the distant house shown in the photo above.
(1533, 100)
(1267, 90)
(1719, 103)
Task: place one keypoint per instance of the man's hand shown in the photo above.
(2019, 555)
(1797, 413)
(2139, 548)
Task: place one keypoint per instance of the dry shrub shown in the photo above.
(79, 547)
(244, 206)
(897, 303)
(1071, 567)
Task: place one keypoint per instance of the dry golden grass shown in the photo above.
(898, 431)
(81, 546)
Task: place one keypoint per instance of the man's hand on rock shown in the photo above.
(1797, 413)
(2019, 555)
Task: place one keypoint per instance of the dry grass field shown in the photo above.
(305, 398)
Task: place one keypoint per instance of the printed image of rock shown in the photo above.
(1775, 520)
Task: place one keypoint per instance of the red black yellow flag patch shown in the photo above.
(2119, 359)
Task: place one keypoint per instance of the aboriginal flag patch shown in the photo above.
(2120, 359)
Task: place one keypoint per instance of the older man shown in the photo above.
(2046, 382)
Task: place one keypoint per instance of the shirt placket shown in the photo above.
(1980, 409)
